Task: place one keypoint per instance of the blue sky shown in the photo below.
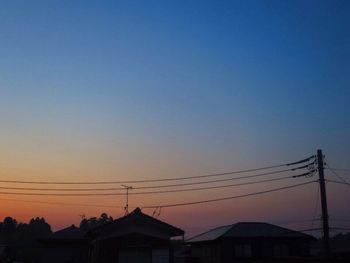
(207, 85)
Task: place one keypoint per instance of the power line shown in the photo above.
(302, 161)
(60, 203)
(337, 175)
(331, 228)
(216, 187)
(340, 220)
(310, 229)
(161, 180)
(157, 186)
(154, 192)
(230, 197)
(337, 182)
(293, 221)
(340, 228)
(341, 169)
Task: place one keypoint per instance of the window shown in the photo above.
(280, 250)
(243, 250)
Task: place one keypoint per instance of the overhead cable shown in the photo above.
(336, 174)
(230, 197)
(337, 182)
(302, 161)
(60, 203)
(154, 186)
(158, 180)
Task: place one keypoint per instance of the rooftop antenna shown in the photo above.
(126, 208)
(158, 209)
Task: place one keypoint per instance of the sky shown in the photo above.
(131, 90)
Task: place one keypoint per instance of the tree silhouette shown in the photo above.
(9, 226)
(21, 238)
(92, 222)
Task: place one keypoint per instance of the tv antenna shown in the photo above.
(127, 188)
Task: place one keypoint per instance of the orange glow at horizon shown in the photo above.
(264, 207)
(77, 162)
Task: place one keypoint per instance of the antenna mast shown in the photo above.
(126, 208)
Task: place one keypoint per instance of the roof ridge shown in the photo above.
(290, 230)
(286, 230)
(210, 230)
(253, 228)
(67, 228)
(137, 213)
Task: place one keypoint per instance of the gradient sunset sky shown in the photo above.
(128, 90)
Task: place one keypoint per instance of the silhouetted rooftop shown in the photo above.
(130, 219)
(71, 232)
(247, 229)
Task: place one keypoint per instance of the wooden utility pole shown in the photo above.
(326, 245)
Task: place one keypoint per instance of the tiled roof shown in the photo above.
(211, 234)
(71, 232)
(135, 216)
(247, 229)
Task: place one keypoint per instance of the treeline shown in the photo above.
(92, 222)
(19, 241)
(11, 230)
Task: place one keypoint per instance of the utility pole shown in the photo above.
(126, 208)
(326, 245)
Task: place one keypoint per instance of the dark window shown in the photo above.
(243, 250)
(280, 250)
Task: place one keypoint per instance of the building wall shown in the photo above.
(139, 227)
(228, 249)
(207, 253)
(65, 254)
(133, 249)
